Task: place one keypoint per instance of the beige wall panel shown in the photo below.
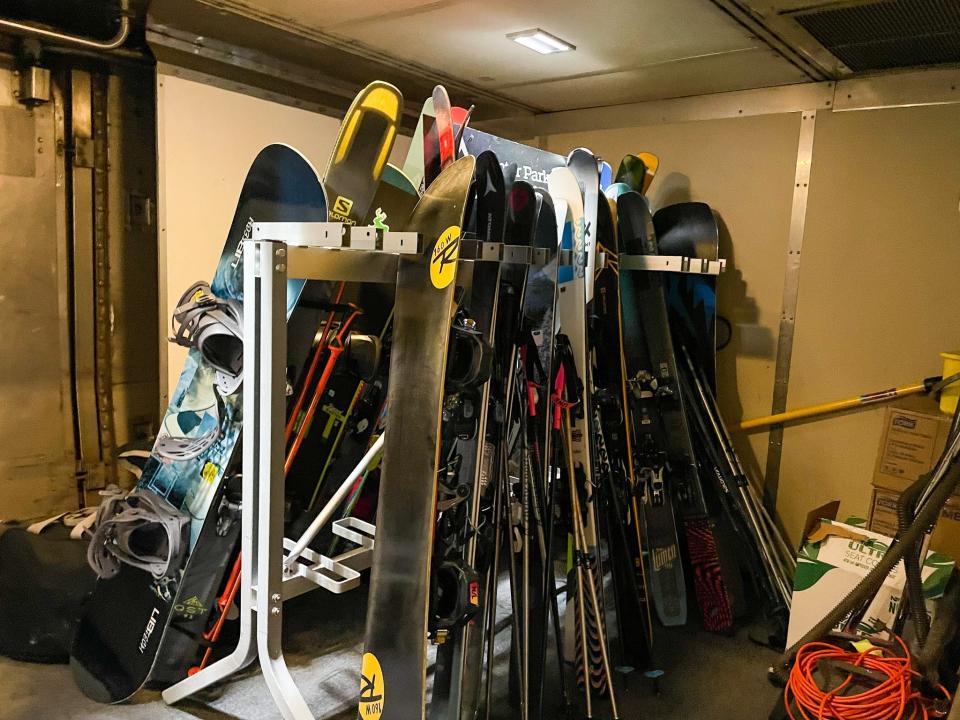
(208, 138)
(744, 168)
(877, 289)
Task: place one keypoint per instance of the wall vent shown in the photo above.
(887, 34)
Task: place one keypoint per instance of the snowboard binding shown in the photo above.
(215, 328)
(142, 530)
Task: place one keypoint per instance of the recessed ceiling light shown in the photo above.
(541, 41)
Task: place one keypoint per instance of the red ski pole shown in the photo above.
(336, 348)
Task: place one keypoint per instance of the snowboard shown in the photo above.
(393, 672)
(122, 625)
(690, 230)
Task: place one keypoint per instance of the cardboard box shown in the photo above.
(834, 558)
(946, 533)
(914, 434)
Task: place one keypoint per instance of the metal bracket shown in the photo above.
(791, 289)
(479, 250)
(338, 574)
(335, 236)
(672, 263)
(565, 257)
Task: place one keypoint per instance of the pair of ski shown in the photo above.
(661, 442)
(139, 626)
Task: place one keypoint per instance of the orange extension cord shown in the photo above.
(892, 698)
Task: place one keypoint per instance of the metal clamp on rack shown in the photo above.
(480, 250)
(672, 263)
(565, 257)
(335, 236)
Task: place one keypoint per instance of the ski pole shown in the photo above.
(361, 387)
(320, 520)
(924, 387)
(336, 349)
(314, 363)
(223, 605)
(549, 578)
(580, 544)
(787, 554)
(741, 481)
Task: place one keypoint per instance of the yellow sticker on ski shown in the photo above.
(443, 259)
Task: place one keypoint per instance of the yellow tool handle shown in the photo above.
(835, 406)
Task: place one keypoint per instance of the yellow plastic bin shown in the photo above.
(950, 394)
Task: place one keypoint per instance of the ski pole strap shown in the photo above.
(573, 384)
(214, 327)
(142, 530)
(556, 399)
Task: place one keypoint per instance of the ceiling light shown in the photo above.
(541, 42)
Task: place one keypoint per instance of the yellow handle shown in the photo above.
(831, 407)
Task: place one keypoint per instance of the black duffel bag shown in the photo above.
(44, 581)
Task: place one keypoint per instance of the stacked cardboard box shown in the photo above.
(914, 434)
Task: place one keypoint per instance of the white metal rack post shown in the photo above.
(275, 252)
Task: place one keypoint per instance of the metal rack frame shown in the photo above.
(274, 253)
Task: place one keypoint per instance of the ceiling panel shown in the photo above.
(323, 15)
(626, 50)
(719, 73)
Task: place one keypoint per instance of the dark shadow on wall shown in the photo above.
(741, 335)
(747, 337)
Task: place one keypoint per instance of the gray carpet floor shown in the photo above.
(706, 676)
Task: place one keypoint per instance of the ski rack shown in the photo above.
(672, 263)
(274, 253)
(313, 251)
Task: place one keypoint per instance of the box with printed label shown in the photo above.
(834, 558)
(914, 434)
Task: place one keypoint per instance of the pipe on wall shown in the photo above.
(113, 43)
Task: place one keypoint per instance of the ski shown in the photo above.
(464, 550)
(655, 409)
(393, 673)
(615, 454)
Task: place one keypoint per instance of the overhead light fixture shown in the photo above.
(541, 41)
